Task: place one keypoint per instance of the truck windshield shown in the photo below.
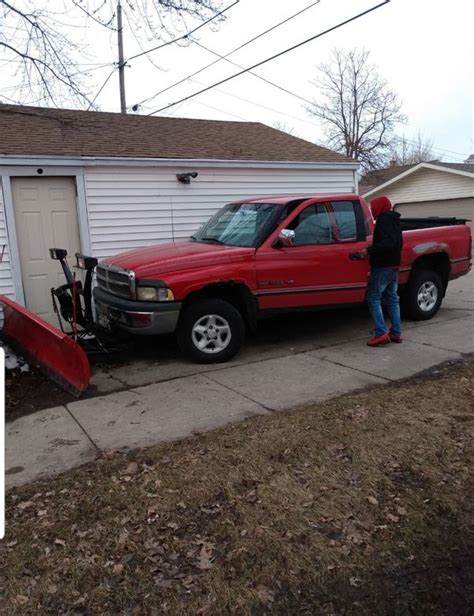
(241, 224)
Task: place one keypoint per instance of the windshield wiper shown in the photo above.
(211, 239)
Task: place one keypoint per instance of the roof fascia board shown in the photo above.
(91, 161)
(408, 172)
(468, 174)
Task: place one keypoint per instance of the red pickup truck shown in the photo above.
(268, 254)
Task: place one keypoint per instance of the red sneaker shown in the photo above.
(378, 340)
(395, 338)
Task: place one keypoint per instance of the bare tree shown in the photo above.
(407, 152)
(357, 108)
(42, 46)
(284, 127)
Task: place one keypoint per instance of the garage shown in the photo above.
(103, 183)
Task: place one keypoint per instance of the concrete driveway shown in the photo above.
(292, 361)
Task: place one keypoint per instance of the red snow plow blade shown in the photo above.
(53, 352)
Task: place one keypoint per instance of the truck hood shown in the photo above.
(153, 261)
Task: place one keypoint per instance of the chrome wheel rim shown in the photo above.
(211, 334)
(427, 296)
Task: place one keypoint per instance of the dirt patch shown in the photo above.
(361, 505)
(28, 392)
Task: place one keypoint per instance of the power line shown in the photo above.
(275, 85)
(221, 111)
(281, 53)
(274, 27)
(85, 72)
(432, 147)
(246, 100)
(184, 36)
(101, 88)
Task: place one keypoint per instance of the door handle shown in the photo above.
(356, 256)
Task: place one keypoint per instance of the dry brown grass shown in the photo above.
(361, 505)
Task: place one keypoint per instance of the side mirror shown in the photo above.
(286, 238)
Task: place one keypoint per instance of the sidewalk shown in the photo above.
(180, 399)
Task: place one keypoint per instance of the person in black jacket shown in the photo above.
(384, 258)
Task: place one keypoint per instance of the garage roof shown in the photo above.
(61, 132)
(464, 169)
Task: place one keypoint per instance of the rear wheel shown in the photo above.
(424, 295)
(211, 331)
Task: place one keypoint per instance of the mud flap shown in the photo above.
(45, 347)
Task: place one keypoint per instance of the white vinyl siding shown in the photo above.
(6, 276)
(129, 207)
(428, 185)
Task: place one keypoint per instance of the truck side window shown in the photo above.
(313, 226)
(345, 219)
(349, 219)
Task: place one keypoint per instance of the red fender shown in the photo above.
(46, 347)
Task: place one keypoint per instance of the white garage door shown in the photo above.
(46, 217)
(462, 208)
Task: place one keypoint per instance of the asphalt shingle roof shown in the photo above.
(60, 132)
(469, 167)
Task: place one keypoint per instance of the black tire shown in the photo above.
(423, 284)
(228, 331)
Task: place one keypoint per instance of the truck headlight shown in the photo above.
(154, 294)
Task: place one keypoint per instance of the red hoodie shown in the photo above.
(379, 205)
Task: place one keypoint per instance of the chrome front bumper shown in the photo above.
(143, 318)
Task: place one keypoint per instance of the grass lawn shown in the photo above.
(361, 505)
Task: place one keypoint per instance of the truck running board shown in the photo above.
(45, 347)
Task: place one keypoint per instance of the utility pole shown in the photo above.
(121, 63)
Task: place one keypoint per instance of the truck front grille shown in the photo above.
(115, 280)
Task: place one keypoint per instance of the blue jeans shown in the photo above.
(383, 283)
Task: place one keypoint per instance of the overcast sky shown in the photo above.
(424, 48)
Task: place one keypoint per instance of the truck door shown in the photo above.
(320, 268)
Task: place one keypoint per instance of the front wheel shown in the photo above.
(210, 331)
(424, 295)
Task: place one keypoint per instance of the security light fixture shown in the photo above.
(185, 178)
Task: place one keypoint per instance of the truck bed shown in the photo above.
(408, 224)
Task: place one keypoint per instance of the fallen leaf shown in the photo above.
(132, 469)
(20, 599)
(392, 518)
(161, 583)
(265, 594)
(60, 542)
(117, 570)
(355, 581)
(401, 511)
(122, 539)
(22, 506)
(372, 500)
(205, 557)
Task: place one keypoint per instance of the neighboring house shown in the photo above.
(428, 189)
(103, 183)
